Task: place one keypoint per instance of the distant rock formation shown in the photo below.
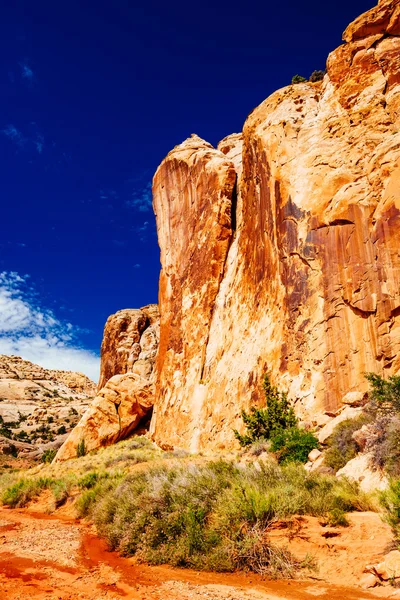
(38, 406)
(126, 386)
(280, 249)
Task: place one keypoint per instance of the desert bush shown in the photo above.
(277, 423)
(384, 395)
(81, 449)
(341, 446)
(390, 501)
(298, 79)
(48, 455)
(61, 430)
(263, 423)
(317, 76)
(293, 445)
(383, 444)
(23, 491)
(337, 518)
(213, 516)
(89, 480)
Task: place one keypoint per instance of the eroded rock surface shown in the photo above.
(113, 415)
(286, 261)
(130, 343)
(126, 387)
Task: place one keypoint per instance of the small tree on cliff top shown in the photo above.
(265, 423)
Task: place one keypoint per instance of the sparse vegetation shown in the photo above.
(263, 423)
(341, 445)
(81, 449)
(293, 445)
(298, 79)
(317, 76)
(390, 501)
(277, 423)
(48, 456)
(214, 516)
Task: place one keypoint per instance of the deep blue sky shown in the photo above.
(94, 94)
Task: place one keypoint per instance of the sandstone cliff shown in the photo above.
(126, 388)
(280, 248)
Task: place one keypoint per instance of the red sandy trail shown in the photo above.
(51, 558)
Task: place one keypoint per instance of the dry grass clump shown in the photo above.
(213, 516)
(19, 488)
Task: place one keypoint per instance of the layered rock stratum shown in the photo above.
(126, 386)
(37, 403)
(280, 248)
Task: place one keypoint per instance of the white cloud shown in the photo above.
(34, 333)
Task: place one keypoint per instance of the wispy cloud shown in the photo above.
(33, 332)
(141, 199)
(137, 266)
(34, 142)
(26, 72)
(14, 135)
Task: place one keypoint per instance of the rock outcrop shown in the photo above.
(126, 386)
(113, 415)
(279, 249)
(130, 343)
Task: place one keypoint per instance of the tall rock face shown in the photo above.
(280, 249)
(126, 386)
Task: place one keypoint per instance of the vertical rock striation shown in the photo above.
(280, 249)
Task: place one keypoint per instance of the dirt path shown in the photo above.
(50, 558)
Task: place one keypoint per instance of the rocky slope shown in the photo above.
(38, 406)
(126, 386)
(279, 248)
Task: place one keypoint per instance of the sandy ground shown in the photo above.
(57, 558)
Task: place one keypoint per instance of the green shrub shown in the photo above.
(22, 492)
(89, 480)
(317, 76)
(81, 449)
(385, 394)
(390, 501)
(293, 445)
(298, 79)
(48, 455)
(337, 518)
(264, 423)
(61, 430)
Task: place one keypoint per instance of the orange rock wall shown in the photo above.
(280, 250)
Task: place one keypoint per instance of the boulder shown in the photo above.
(368, 581)
(389, 568)
(359, 469)
(347, 413)
(355, 398)
(314, 454)
(115, 412)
